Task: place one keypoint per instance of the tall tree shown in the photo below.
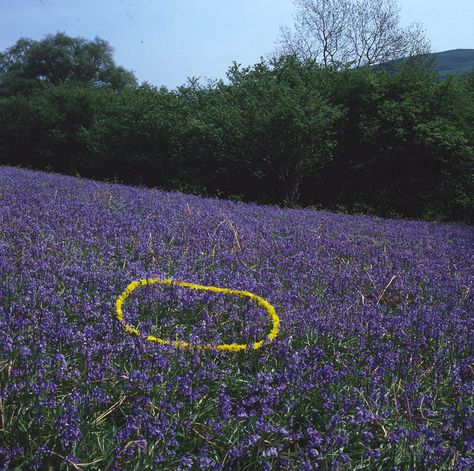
(59, 59)
(343, 33)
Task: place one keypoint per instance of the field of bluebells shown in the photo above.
(373, 367)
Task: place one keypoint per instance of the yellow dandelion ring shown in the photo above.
(230, 347)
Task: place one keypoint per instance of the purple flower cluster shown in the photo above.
(373, 366)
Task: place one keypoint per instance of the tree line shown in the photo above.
(286, 130)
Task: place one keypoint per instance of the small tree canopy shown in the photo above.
(342, 33)
(59, 59)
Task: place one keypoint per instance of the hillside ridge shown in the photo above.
(453, 61)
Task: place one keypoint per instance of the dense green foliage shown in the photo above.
(285, 132)
(31, 65)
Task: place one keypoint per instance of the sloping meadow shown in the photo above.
(373, 365)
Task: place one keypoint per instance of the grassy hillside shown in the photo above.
(371, 366)
(455, 61)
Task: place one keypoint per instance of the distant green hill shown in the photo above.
(455, 61)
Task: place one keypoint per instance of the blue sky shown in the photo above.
(166, 41)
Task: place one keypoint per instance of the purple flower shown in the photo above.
(376, 331)
(270, 452)
(367, 436)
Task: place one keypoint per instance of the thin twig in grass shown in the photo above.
(454, 460)
(108, 411)
(386, 288)
(5, 364)
(232, 434)
(78, 465)
(385, 434)
(420, 408)
(109, 379)
(2, 413)
(206, 439)
(3, 418)
(64, 458)
(237, 244)
(188, 210)
(410, 415)
(370, 278)
(466, 293)
(356, 302)
(236, 236)
(132, 442)
(426, 372)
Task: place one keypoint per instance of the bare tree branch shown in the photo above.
(342, 33)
